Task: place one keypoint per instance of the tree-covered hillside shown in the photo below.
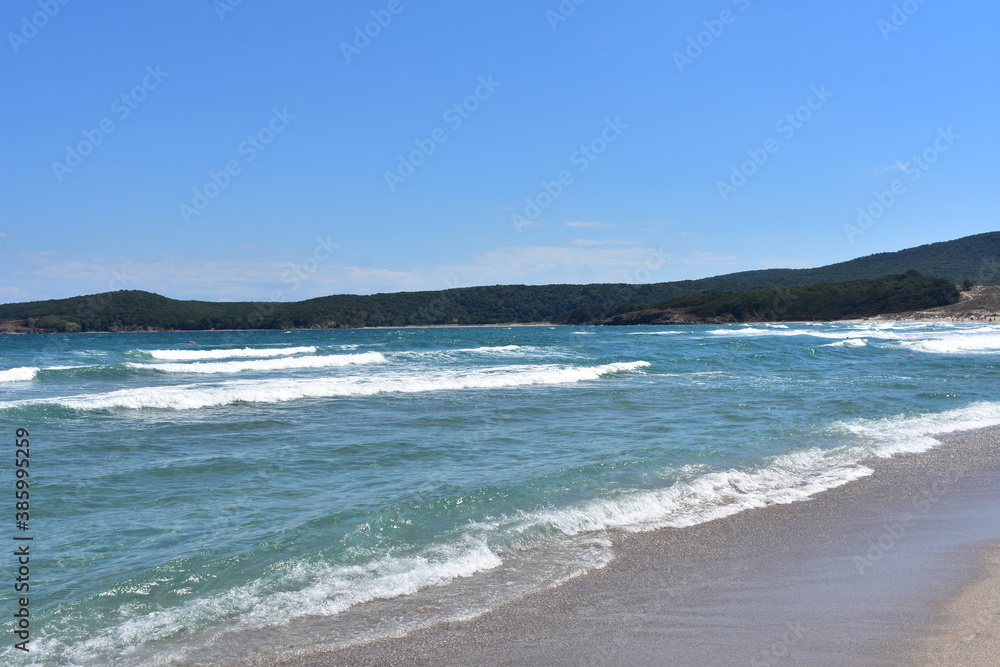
(822, 301)
(973, 259)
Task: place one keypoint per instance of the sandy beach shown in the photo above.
(900, 567)
(969, 630)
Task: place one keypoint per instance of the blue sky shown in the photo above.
(228, 150)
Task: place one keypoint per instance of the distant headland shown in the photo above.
(947, 279)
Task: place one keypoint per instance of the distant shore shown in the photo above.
(197, 331)
(888, 569)
(877, 318)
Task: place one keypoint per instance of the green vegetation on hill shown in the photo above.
(974, 258)
(822, 301)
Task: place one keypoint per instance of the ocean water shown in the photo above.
(279, 493)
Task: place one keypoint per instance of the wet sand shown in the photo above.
(885, 570)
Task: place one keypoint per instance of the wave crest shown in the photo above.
(20, 374)
(224, 353)
(194, 396)
(325, 361)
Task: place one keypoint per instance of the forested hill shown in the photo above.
(975, 259)
(850, 299)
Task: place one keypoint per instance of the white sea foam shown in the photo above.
(487, 350)
(753, 332)
(302, 588)
(959, 343)
(194, 396)
(904, 434)
(944, 340)
(848, 342)
(653, 333)
(291, 590)
(709, 496)
(226, 353)
(20, 374)
(323, 361)
(484, 349)
(785, 479)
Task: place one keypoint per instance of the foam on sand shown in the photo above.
(713, 495)
(288, 590)
(912, 434)
(700, 497)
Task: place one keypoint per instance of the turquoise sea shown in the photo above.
(269, 493)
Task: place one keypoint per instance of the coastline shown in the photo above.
(877, 571)
(927, 319)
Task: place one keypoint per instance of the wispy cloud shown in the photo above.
(595, 225)
(897, 166)
(602, 242)
(710, 259)
(551, 264)
(46, 275)
(778, 263)
(14, 292)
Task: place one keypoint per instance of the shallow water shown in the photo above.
(190, 500)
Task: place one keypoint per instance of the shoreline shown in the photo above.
(875, 318)
(887, 556)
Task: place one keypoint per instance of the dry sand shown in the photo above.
(969, 631)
